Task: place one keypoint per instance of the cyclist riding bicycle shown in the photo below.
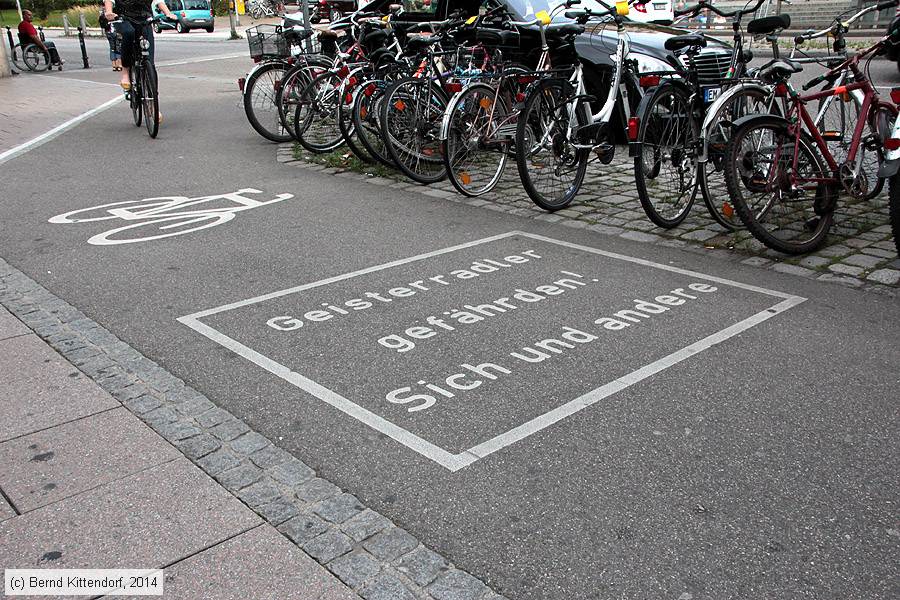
(135, 18)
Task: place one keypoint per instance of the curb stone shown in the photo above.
(876, 280)
(331, 526)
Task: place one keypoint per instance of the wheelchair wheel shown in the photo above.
(35, 58)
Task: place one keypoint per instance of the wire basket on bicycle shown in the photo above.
(268, 42)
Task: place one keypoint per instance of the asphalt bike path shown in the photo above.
(561, 413)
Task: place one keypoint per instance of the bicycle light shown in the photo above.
(633, 125)
(892, 144)
(453, 88)
(648, 81)
(241, 82)
(895, 95)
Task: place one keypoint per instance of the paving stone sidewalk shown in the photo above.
(109, 461)
(34, 104)
(859, 253)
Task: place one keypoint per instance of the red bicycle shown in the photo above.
(783, 180)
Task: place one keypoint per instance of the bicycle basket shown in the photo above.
(267, 41)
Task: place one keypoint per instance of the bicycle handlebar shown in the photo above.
(706, 5)
(811, 35)
(587, 13)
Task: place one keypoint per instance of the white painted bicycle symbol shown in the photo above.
(165, 216)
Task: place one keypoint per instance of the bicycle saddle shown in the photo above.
(564, 29)
(691, 40)
(374, 38)
(769, 24)
(497, 37)
(420, 42)
(781, 68)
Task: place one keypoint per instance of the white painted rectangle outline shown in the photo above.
(455, 462)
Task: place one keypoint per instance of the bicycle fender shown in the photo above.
(448, 116)
(749, 118)
(634, 148)
(889, 168)
(713, 108)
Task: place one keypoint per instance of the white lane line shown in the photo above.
(415, 443)
(46, 137)
(191, 61)
(570, 408)
(455, 462)
(63, 77)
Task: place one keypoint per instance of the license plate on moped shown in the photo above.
(710, 94)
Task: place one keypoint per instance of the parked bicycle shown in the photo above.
(781, 174)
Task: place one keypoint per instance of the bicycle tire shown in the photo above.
(710, 173)
(474, 162)
(668, 134)
(150, 98)
(748, 170)
(259, 104)
(317, 117)
(134, 98)
(894, 208)
(347, 125)
(292, 85)
(840, 118)
(548, 96)
(410, 125)
(365, 119)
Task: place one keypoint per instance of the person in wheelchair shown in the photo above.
(28, 35)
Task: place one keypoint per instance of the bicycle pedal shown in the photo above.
(605, 153)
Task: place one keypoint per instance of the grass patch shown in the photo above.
(344, 159)
(10, 17)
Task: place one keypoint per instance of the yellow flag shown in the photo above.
(622, 8)
(543, 17)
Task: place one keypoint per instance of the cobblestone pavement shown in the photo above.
(364, 549)
(860, 251)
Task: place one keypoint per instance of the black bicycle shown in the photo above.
(143, 95)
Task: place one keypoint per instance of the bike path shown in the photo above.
(657, 424)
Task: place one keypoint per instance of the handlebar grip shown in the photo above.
(887, 4)
(571, 3)
(813, 83)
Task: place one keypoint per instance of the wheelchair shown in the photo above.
(32, 58)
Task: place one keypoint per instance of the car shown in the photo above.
(331, 9)
(191, 14)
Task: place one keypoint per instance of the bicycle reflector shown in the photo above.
(453, 88)
(370, 89)
(277, 85)
(343, 71)
(633, 124)
(892, 144)
(241, 82)
(895, 95)
(648, 81)
(527, 78)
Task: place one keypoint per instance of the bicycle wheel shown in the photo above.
(550, 166)
(259, 102)
(894, 200)
(711, 172)
(789, 210)
(134, 98)
(288, 91)
(411, 116)
(366, 108)
(35, 58)
(478, 140)
(665, 172)
(150, 98)
(836, 118)
(318, 113)
(345, 119)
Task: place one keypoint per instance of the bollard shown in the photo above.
(84, 56)
(66, 25)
